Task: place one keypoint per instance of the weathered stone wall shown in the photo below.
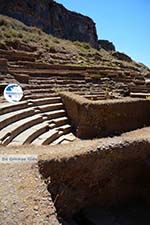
(91, 119)
(109, 172)
(53, 18)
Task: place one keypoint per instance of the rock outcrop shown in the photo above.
(52, 18)
(122, 56)
(107, 45)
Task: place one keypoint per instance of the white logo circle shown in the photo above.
(13, 93)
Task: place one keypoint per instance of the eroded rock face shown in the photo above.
(122, 56)
(52, 18)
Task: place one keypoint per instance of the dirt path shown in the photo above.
(23, 196)
(139, 133)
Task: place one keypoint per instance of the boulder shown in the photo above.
(107, 45)
(122, 56)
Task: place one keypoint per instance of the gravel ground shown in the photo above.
(23, 196)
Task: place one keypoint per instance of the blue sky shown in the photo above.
(125, 23)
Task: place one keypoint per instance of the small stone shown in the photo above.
(21, 209)
(36, 208)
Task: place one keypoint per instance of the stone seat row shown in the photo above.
(43, 119)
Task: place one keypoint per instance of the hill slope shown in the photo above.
(16, 35)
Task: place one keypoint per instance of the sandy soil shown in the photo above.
(23, 196)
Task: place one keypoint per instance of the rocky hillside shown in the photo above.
(52, 18)
(14, 35)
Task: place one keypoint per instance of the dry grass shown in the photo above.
(12, 31)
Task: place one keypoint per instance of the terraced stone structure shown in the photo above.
(41, 117)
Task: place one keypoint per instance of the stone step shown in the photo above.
(44, 72)
(6, 75)
(68, 85)
(65, 67)
(60, 121)
(40, 96)
(42, 80)
(55, 114)
(65, 128)
(11, 113)
(70, 81)
(28, 64)
(47, 137)
(35, 91)
(41, 65)
(49, 107)
(142, 90)
(46, 86)
(138, 82)
(139, 95)
(147, 81)
(75, 86)
(14, 55)
(45, 101)
(67, 137)
(57, 81)
(11, 117)
(9, 107)
(3, 61)
(71, 89)
(139, 77)
(57, 77)
(27, 136)
(51, 135)
(14, 129)
(140, 86)
(124, 80)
